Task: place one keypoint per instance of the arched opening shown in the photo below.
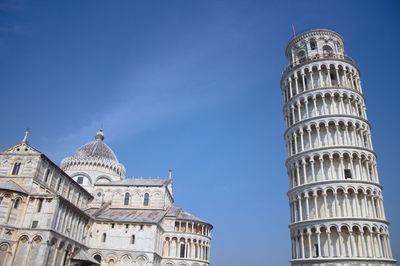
(313, 44)
(16, 203)
(301, 57)
(182, 254)
(327, 51)
(126, 200)
(46, 175)
(146, 199)
(16, 168)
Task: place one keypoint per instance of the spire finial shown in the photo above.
(26, 134)
(99, 135)
(170, 173)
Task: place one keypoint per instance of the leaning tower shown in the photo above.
(336, 204)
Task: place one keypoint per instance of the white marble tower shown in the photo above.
(336, 204)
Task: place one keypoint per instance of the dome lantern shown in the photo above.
(99, 135)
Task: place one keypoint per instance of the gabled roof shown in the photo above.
(12, 186)
(22, 147)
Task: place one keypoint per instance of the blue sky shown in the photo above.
(192, 86)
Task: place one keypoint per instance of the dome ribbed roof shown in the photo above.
(97, 154)
(96, 150)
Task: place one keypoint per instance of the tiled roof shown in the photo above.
(96, 149)
(129, 215)
(141, 182)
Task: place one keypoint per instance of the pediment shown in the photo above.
(22, 148)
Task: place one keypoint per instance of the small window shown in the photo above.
(80, 180)
(99, 194)
(112, 225)
(347, 174)
(133, 239)
(126, 226)
(182, 250)
(35, 224)
(69, 192)
(97, 258)
(59, 184)
(146, 199)
(1, 200)
(46, 175)
(313, 45)
(16, 203)
(104, 237)
(40, 204)
(141, 227)
(126, 200)
(16, 168)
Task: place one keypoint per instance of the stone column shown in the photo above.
(309, 244)
(300, 209)
(302, 245)
(303, 162)
(336, 204)
(312, 169)
(315, 195)
(325, 206)
(309, 138)
(330, 247)
(307, 207)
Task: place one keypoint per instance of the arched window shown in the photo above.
(46, 175)
(59, 184)
(104, 237)
(133, 239)
(97, 257)
(182, 250)
(16, 203)
(146, 199)
(327, 51)
(313, 44)
(126, 201)
(301, 56)
(40, 204)
(80, 180)
(16, 168)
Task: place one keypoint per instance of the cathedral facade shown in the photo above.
(86, 212)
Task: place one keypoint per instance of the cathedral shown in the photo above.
(86, 212)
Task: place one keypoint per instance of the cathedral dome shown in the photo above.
(95, 153)
(96, 150)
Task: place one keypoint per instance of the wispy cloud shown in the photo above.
(148, 97)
